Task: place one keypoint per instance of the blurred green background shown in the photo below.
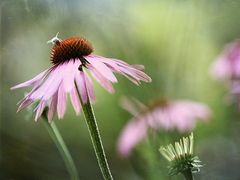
(176, 41)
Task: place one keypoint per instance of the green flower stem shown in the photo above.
(58, 140)
(96, 139)
(188, 174)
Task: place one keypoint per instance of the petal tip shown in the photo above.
(149, 80)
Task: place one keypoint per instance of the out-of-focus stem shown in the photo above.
(62, 148)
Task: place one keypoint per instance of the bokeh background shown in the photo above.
(176, 41)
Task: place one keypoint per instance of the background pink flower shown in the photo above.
(181, 115)
(227, 69)
(227, 65)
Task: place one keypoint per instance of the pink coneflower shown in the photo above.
(227, 65)
(163, 114)
(73, 61)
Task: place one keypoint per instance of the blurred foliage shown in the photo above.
(176, 41)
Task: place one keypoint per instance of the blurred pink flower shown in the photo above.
(227, 65)
(227, 69)
(72, 58)
(162, 115)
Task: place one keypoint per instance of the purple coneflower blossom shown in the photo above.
(167, 115)
(227, 65)
(73, 61)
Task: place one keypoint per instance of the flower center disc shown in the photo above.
(160, 102)
(71, 48)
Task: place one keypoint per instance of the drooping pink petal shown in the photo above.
(105, 83)
(52, 107)
(32, 81)
(132, 72)
(138, 66)
(81, 85)
(161, 119)
(136, 82)
(183, 118)
(129, 106)
(118, 61)
(102, 68)
(139, 74)
(128, 74)
(68, 75)
(197, 110)
(201, 111)
(139, 104)
(89, 86)
(221, 69)
(36, 87)
(132, 134)
(40, 109)
(115, 67)
(25, 104)
(184, 124)
(50, 86)
(61, 102)
(110, 62)
(75, 101)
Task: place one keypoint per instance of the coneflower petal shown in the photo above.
(61, 102)
(24, 104)
(75, 100)
(53, 84)
(50, 86)
(124, 68)
(52, 107)
(89, 86)
(129, 106)
(40, 109)
(134, 132)
(105, 83)
(81, 85)
(102, 68)
(69, 73)
(31, 81)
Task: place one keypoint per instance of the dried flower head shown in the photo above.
(181, 156)
(73, 61)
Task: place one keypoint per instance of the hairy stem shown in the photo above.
(96, 140)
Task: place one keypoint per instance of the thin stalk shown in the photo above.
(96, 139)
(62, 148)
(188, 174)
